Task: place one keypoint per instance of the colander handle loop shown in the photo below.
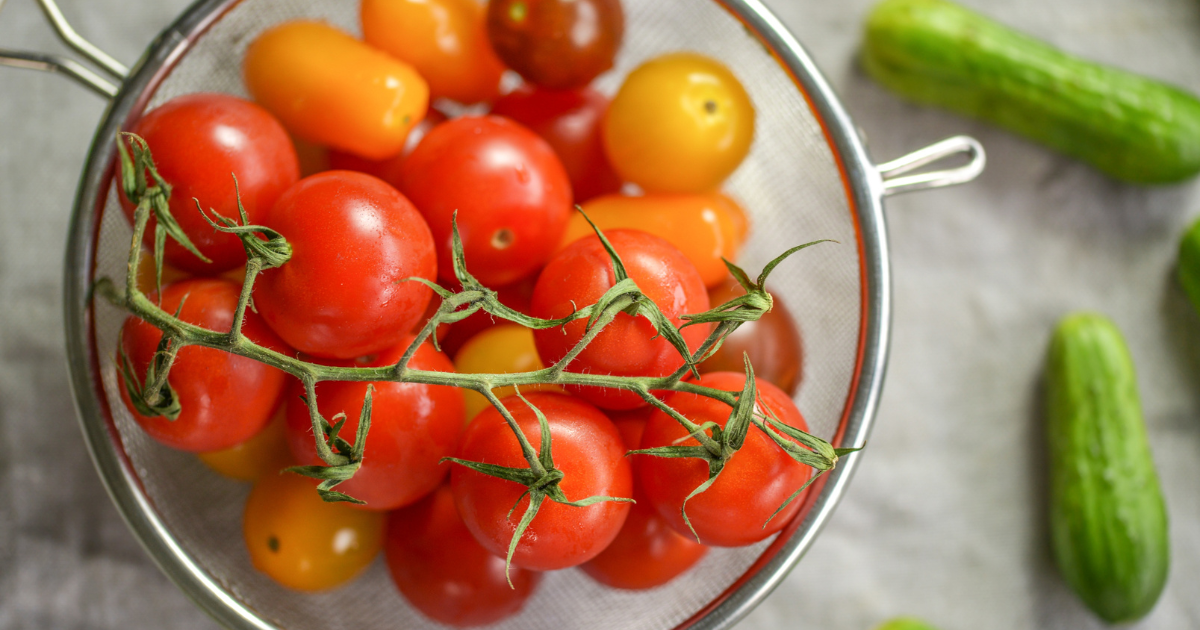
(892, 173)
(64, 65)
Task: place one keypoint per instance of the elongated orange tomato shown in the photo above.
(445, 40)
(704, 227)
(329, 88)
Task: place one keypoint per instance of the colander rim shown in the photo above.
(864, 195)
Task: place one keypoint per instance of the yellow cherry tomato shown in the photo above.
(680, 123)
(145, 273)
(445, 40)
(332, 89)
(264, 454)
(502, 349)
(301, 541)
(704, 227)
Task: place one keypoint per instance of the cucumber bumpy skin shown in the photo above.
(935, 52)
(1108, 521)
(1189, 264)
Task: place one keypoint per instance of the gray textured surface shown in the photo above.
(944, 519)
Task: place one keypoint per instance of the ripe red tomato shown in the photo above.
(646, 552)
(589, 452)
(581, 273)
(569, 120)
(303, 542)
(413, 427)
(755, 481)
(199, 139)
(445, 40)
(354, 240)
(557, 44)
(225, 399)
(444, 572)
(512, 196)
(773, 343)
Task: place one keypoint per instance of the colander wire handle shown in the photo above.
(64, 65)
(892, 173)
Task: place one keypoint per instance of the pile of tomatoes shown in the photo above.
(385, 173)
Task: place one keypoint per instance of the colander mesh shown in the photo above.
(789, 184)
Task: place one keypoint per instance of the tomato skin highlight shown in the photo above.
(755, 481)
(354, 241)
(773, 343)
(706, 228)
(581, 273)
(444, 40)
(444, 572)
(332, 89)
(197, 141)
(681, 123)
(511, 193)
(569, 121)
(225, 399)
(557, 44)
(589, 452)
(413, 426)
(301, 541)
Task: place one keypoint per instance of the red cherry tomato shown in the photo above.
(197, 140)
(586, 448)
(413, 427)
(444, 572)
(354, 240)
(445, 40)
(629, 346)
(570, 122)
(225, 399)
(773, 343)
(512, 196)
(558, 44)
(755, 481)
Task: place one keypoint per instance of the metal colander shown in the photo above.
(807, 177)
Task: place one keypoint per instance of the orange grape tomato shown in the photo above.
(445, 40)
(680, 123)
(704, 227)
(502, 349)
(773, 343)
(264, 454)
(332, 89)
(301, 541)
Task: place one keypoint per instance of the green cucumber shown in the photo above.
(938, 53)
(1189, 264)
(1108, 521)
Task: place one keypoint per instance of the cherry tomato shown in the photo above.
(580, 274)
(334, 90)
(354, 241)
(773, 343)
(197, 141)
(557, 44)
(387, 169)
(301, 541)
(444, 573)
(264, 454)
(225, 399)
(502, 349)
(645, 554)
(146, 271)
(706, 228)
(586, 448)
(512, 196)
(515, 296)
(755, 481)
(445, 40)
(570, 122)
(413, 427)
(681, 123)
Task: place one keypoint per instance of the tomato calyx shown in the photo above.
(541, 479)
(344, 459)
(269, 253)
(154, 396)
